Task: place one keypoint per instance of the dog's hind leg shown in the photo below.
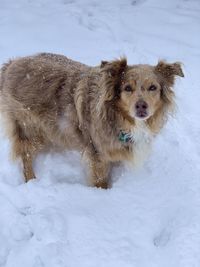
(22, 147)
(27, 160)
(25, 145)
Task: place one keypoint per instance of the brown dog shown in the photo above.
(110, 113)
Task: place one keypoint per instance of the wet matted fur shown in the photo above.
(110, 113)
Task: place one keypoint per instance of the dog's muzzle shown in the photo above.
(141, 109)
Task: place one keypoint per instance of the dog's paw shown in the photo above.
(101, 184)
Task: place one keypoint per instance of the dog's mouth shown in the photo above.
(141, 115)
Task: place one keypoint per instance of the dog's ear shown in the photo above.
(168, 71)
(113, 75)
(114, 68)
(103, 63)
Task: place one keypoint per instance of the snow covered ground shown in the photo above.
(151, 216)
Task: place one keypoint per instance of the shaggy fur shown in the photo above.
(50, 101)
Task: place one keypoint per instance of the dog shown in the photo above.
(110, 113)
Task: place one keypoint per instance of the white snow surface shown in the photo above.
(151, 216)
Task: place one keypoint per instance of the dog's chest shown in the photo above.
(142, 138)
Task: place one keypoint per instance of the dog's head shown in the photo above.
(140, 90)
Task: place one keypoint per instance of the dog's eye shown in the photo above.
(128, 88)
(152, 88)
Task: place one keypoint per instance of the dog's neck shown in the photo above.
(138, 133)
(141, 132)
(125, 137)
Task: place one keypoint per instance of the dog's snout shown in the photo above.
(141, 109)
(141, 105)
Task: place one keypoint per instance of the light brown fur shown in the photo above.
(51, 101)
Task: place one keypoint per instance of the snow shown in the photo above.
(150, 217)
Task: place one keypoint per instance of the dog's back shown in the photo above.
(35, 79)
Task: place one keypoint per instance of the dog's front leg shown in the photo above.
(99, 173)
(99, 169)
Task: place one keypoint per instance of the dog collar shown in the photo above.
(125, 137)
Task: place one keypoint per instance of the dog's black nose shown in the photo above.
(141, 109)
(141, 105)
